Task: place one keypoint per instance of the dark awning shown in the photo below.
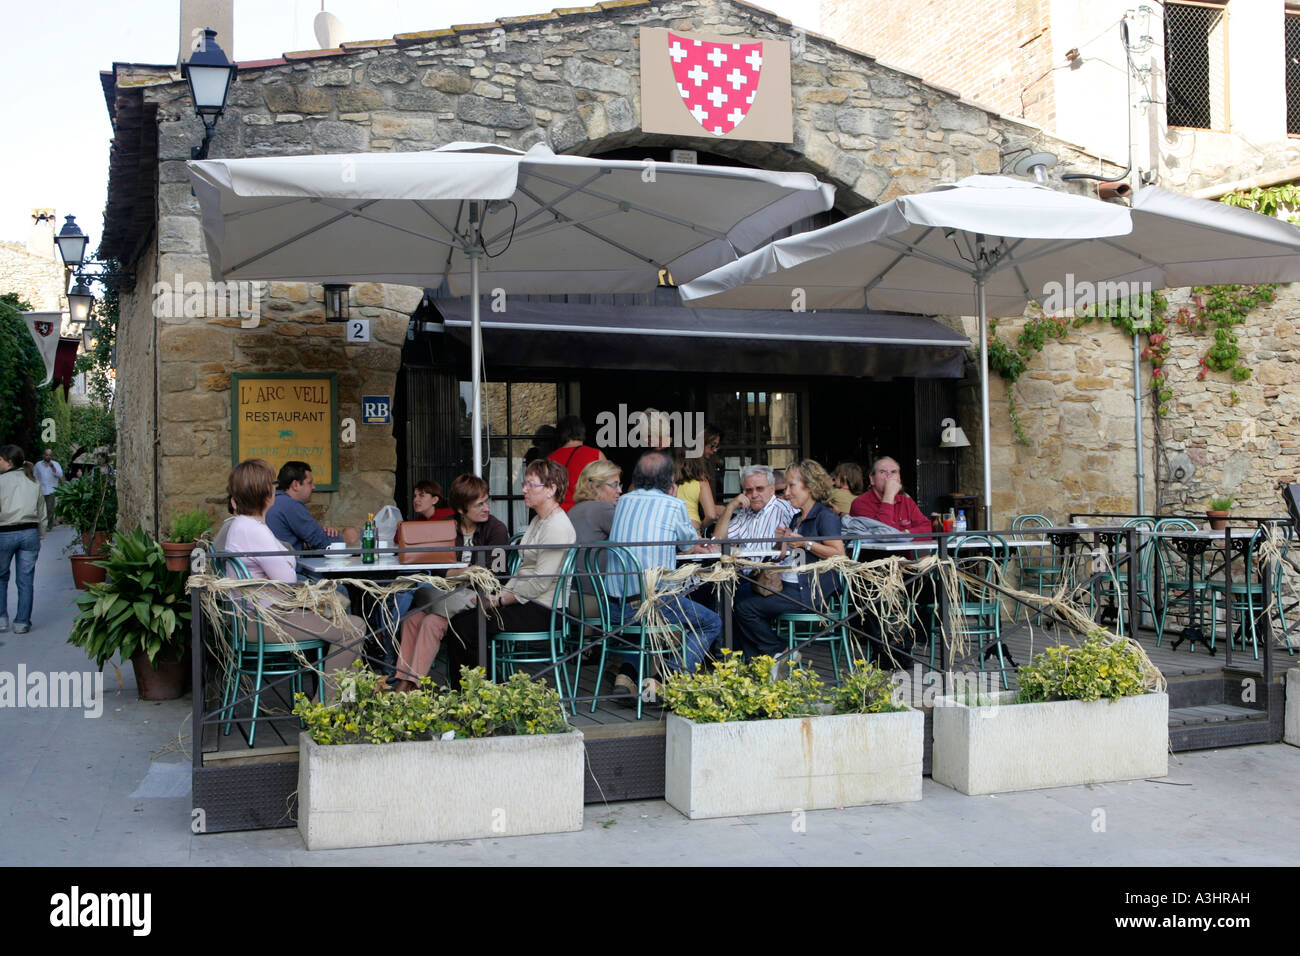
(730, 341)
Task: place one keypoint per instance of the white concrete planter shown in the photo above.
(1010, 746)
(1291, 717)
(804, 763)
(421, 792)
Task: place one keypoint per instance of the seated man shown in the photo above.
(289, 519)
(885, 501)
(652, 512)
(756, 512)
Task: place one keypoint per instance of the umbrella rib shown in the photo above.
(292, 239)
(454, 241)
(637, 207)
(563, 220)
(549, 205)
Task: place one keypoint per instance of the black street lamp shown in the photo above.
(71, 242)
(209, 74)
(336, 302)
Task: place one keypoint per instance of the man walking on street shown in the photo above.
(49, 475)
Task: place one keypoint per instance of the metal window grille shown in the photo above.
(1293, 73)
(1196, 65)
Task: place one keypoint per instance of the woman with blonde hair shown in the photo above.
(809, 488)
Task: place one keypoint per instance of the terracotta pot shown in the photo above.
(84, 571)
(1218, 519)
(163, 681)
(178, 555)
(98, 546)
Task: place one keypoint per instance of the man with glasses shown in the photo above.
(756, 512)
(885, 501)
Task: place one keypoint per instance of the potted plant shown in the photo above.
(140, 613)
(187, 527)
(1083, 714)
(379, 768)
(1218, 512)
(89, 504)
(741, 740)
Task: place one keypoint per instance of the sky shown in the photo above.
(53, 104)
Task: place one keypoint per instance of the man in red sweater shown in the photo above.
(885, 501)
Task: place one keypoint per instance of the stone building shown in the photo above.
(570, 79)
(32, 268)
(1201, 98)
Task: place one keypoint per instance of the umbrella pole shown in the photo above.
(984, 403)
(1137, 425)
(475, 251)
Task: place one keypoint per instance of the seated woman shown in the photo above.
(525, 602)
(429, 504)
(250, 490)
(434, 611)
(573, 454)
(599, 487)
(695, 487)
(809, 487)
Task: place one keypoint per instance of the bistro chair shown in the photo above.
(1180, 570)
(1115, 585)
(830, 627)
(254, 657)
(1041, 570)
(634, 640)
(507, 650)
(1246, 600)
(978, 606)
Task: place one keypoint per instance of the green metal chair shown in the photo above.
(1040, 568)
(1246, 598)
(507, 650)
(1115, 586)
(642, 642)
(797, 627)
(254, 657)
(1180, 568)
(979, 608)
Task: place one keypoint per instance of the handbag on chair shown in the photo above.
(436, 539)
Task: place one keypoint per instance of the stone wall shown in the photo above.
(569, 80)
(1075, 403)
(997, 54)
(135, 403)
(37, 279)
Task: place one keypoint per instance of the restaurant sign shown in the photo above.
(286, 416)
(698, 85)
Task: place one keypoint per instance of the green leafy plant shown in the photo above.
(140, 607)
(867, 690)
(22, 403)
(1091, 671)
(368, 713)
(738, 690)
(88, 503)
(1221, 504)
(188, 526)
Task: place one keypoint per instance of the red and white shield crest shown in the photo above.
(43, 329)
(717, 81)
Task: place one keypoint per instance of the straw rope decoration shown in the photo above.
(880, 589)
(1273, 552)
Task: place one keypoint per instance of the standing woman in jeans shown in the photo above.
(22, 509)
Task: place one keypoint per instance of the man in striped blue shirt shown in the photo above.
(652, 512)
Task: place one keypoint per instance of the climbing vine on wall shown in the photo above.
(1214, 311)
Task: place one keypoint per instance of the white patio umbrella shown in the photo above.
(483, 216)
(1006, 241)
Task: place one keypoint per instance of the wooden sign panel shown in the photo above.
(286, 416)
